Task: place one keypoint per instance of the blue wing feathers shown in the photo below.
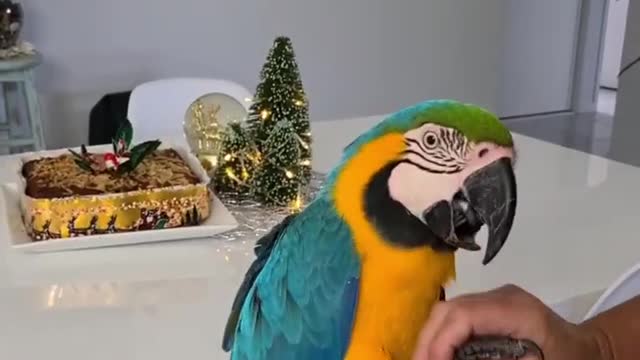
(302, 303)
(263, 249)
(292, 327)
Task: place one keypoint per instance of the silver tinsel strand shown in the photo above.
(254, 219)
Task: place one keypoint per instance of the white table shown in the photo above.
(575, 232)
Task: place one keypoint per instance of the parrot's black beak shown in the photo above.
(492, 194)
(488, 197)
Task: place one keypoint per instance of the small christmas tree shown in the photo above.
(281, 97)
(277, 180)
(237, 160)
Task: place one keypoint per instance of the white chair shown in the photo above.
(157, 109)
(624, 288)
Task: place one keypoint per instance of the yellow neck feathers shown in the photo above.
(398, 286)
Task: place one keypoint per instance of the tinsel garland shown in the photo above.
(255, 219)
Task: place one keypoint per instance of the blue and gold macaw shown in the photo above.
(354, 276)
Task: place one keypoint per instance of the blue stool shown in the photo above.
(20, 73)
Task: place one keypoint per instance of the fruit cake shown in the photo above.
(74, 194)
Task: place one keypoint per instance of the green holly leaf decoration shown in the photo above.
(84, 165)
(84, 162)
(142, 150)
(124, 136)
(138, 153)
(160, 224)
(121, 148)
(78, 156)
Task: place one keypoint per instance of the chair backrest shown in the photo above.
(158, 108)
(624, 288)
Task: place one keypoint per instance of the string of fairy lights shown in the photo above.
(269, 159)
(255, 158)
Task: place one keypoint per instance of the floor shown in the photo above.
(588, 132)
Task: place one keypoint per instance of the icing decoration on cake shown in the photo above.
(122, 160)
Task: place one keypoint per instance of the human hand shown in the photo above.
(506, 311)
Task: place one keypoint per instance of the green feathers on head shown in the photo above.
(476, 123)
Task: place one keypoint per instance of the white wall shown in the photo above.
(626, 127)
(358, 57)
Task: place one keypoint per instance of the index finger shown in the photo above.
(429, 331)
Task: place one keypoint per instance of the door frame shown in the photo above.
(590, 50)
(589, 54)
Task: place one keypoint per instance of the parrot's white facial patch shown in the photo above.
(431, 169)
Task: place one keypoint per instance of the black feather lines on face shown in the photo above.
(439, 152)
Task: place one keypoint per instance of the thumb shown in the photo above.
(507, 311)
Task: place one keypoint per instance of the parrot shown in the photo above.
(355, 274)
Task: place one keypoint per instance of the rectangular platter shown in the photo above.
(85, 221)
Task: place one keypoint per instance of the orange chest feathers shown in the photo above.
(398, 286)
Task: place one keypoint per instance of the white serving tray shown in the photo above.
(220, 221)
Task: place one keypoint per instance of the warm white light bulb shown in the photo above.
(296, 204)
(231, 175)
(289, 174)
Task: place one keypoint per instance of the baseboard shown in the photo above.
(527, 116)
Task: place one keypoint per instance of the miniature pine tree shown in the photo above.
(280, 96)
(236, 161)
(277, 180)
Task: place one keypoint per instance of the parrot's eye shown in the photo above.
(430, 140)
(436, 149)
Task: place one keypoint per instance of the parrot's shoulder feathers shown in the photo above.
(263, 248)
(265, 244)
(299, 296)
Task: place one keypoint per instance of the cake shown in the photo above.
(79, 193)
(57, 177)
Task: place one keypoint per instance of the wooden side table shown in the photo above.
(20, 71)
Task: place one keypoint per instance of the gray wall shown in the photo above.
(626, 127)
(357, 57)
